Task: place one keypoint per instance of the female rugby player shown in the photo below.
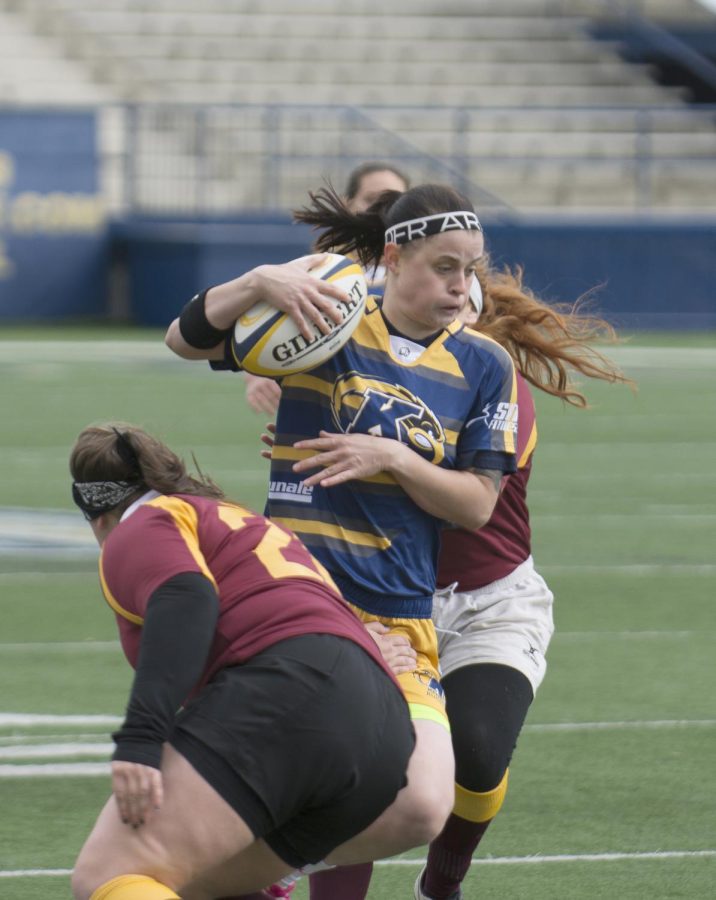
(412, 422)
(292, 736)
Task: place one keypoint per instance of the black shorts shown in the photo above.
(308, 741)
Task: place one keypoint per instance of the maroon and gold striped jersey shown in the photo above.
(476, 558)
(269, 586)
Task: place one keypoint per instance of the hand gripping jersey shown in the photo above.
(269, 586)
(453, 402)
(474, 559)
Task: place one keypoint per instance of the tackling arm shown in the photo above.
(288, 287)
(465, 497)
(176, 637)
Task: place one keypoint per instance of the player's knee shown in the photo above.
(431, 805)
(487, 705)
(482, 774)
(482, 756)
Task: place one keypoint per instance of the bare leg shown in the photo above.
(421, 808)
(195, 831)
(245, 873)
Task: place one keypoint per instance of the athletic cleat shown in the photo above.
(279, 890)
(419, 895)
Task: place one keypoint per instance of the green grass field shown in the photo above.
(613, 784)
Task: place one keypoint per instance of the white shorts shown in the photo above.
(508, 622)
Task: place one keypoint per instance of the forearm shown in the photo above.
(223, 305)
(178, 630)
(290, 287)
(465, 498)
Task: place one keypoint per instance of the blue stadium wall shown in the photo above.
(647, 274)
(57, 248)
(54, 236)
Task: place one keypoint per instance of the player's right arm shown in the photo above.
(200, 329)
(177, 633)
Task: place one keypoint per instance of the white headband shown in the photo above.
(428, 225)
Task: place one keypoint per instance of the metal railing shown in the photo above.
(220, 160)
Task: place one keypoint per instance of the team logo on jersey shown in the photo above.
(430, 683)
(369, 406)
(504, 417)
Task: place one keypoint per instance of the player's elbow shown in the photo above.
(174, 340)
(477, 512)
(473, 520)
(176, 343)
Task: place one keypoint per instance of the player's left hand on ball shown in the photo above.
(308, 300)
(345, 456)
(394, 648)
(138, 791)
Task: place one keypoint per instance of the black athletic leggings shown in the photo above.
(486, 705)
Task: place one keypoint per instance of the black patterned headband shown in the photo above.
(97, 497)
(423, 227)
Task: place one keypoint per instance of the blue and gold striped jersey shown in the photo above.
(454, 402)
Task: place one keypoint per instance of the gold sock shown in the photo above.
(133, 887)
(479, 807)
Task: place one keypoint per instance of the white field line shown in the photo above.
(624, 635)
(95, 769)
(638, 569)
(22, 351)
(114, 646)
(48, 751)
(489, 861)
(35, 873)
(637, 515)
(55, 770)
(565, 858)
(34, 575)
(620, 726)
(36, 740)
(27, 353)
(61, 646)
(14, 720)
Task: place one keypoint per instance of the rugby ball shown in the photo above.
(267, 341)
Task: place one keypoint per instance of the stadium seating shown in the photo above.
(34, 70)
(513, 96)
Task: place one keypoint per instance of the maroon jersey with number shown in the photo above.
(269, 586)
(476, 558)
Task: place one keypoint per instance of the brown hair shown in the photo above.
(120, 452)
(545, 341)
(363, 233)
(369, 168)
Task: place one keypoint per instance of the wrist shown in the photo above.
(397, 457)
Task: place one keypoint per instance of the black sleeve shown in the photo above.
(196, 329)
(178, 631)
(497, 460)
(228, 363)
